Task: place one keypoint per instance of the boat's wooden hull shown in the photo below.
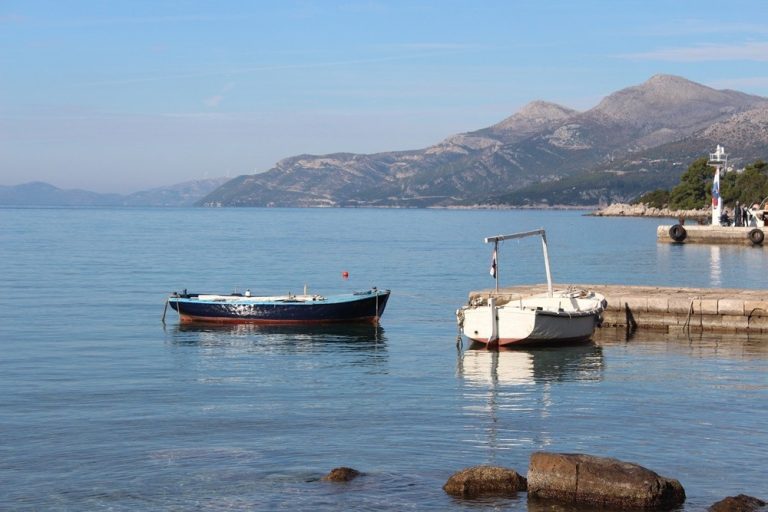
(358, 307)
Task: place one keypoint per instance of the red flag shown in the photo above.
(493, 264)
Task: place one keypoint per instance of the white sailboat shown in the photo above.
(552, 317)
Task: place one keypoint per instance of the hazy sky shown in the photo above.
(127, 95)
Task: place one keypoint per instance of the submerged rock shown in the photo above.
(601, 481)
(342, 474)
(484, 481)
(740, 503)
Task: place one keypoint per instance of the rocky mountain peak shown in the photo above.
(662, 80)
(671, 101)
(544, 110)
(534, 115)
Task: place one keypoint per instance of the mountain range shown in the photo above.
(44, 194)
(637, 139)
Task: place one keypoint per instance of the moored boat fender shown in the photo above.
(756, 236)
(677, 233)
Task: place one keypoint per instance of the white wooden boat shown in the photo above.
(552, 317)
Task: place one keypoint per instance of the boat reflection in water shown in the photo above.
(285, 338)
(510, 392)
(582, 362)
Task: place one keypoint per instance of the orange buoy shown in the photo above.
(345, 274)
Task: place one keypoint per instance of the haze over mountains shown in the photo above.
(635, 140)
(43, 194)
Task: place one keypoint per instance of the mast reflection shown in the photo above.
(508, 393)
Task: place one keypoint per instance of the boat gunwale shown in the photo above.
(567, 314)
(282, 300)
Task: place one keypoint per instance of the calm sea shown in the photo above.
(102, 407)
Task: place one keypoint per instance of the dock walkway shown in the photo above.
(690, 234)
(697, 309)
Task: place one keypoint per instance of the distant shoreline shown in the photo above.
(641, 210)
(614, 210)
(508, 207)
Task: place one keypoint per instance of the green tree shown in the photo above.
(729, 187)
(748, 187)
(658, 198)
(694, 190)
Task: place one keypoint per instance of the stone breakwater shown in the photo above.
(641, 210)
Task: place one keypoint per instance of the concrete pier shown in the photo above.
(693, 234)
(694, 309)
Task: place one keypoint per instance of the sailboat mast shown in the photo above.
(546, 262)
(497, 239)
(496, 263)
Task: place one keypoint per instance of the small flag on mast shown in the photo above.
(493, 264)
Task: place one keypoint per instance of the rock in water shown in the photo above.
(342, 474)
(740, 503)
(484, 481)
(601, 481)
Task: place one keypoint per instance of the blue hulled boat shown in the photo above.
(364, 306)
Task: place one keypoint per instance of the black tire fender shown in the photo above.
(756, 236)
(678, 233)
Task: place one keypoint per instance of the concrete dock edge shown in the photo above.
(694, 234)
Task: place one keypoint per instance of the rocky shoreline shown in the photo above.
(641, 210)
(560, 480)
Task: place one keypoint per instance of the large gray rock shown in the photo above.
(740, 503)
(601, 481)
(484, 481)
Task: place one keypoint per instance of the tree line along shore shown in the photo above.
(692, 197)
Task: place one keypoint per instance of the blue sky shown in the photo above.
(123, 96)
